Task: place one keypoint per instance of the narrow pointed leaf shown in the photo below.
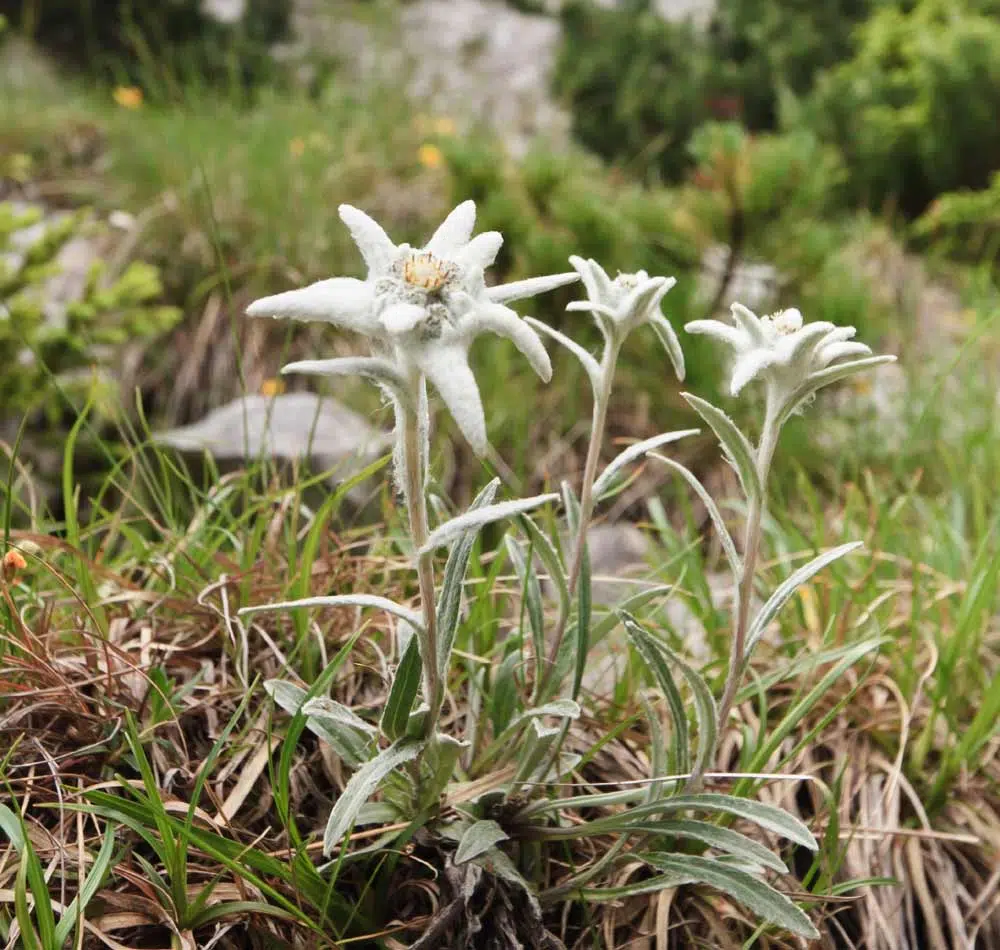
(634, 452)
(473, 520)
(372, 367)
(549, 557)
(668, 340)
(704, 702)
(571, 504)
(363, 784)
(403, 693)
(831, 374)
(346, 733)
(582, 638)
(661, 882)
(752, 892)
(768, 817)
(728, 547)
(631, 604)
(323, 709)
(788, 587)
(519, 289)
(715, 836)
(531, 594)
(590, 365)
(734, 443)
(646, 646)
(563, 708)
(91, 885)
(342, 600)
(450, 599)
(478, 839)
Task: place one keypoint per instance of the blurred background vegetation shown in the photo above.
(841, 157)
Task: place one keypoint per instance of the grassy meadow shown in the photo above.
(152, 793)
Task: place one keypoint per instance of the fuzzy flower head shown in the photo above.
(792, 357)
(421, 308)
(626, 302)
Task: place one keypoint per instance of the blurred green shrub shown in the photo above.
(107, 313)
(763, 48)
(148, 43)
(914, 112)
(639, 86)
(965, 223)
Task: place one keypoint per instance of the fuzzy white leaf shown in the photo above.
(347, 734)
(634, 452)
(343, 600)
(520, 289)
(787, 588)
(734, 443)
(362, 785)
(750, 891)
(478, 839)
(832, 374)
(715, 836)
(564, 708)
(728, 546)
(454, 528)
(668, 340)
(379, 370)
(321, 708)
(590, 365)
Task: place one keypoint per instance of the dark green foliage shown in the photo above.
(762, 47)
(639, 86)
(915, 111)
(124, 40)
(964, 223)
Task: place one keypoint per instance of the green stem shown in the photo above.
(751, 549)
(416, 506)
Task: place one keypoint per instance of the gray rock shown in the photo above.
(71, 265)
(474, 61)
(288, 427)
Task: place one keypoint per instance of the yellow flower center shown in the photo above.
(427, 271)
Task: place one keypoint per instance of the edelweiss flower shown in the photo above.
(627, 302)
(421, 309)
(780, 348)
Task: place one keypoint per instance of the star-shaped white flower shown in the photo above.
(627, 302)
(781, 349)
(421, 309)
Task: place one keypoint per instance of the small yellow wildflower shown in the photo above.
(430, 156)
(13, 561)
(272, 387)
(444, 125)
(128, 97)
(297, 146)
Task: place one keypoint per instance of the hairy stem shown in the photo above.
(751, 549)
(416, 507)
(598, 422)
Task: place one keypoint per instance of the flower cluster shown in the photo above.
(783, 351)
(421, 309)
